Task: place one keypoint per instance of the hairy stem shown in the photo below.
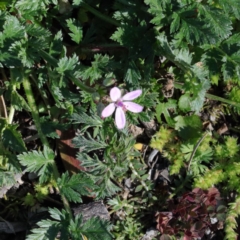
(34, 110)
(12, 110)
(3, 110)
(64, 200)
(195, 149)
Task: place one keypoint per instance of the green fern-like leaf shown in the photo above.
(56, 46)
(92, 229)
(195, 32)
(182, 58)
(97, 69)
(49, 229)
(156, 8)
(100, 174)
(223, 58)
(88, 144)
(67, 64)
(75, 186)
(12, 28)
(33, 8)
(19, 102)
(40, 162)
(162, 108)
(132, 75)
(88, 121)
(217, 21)
(76, 30)
(92, 164)
(230, 7)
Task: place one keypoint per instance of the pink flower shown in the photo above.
(122, 104)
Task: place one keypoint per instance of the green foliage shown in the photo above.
(178, 146)
(162, 108)
(88, 121)
(188, 126)
(67, 64)
(226, 168)
(75, 186)
(19, 102)
(231, 220)
(92, 229)
(76, 229)
(230, 7)
(88, 144)
(71, 56)
(128, 229)
(39, 162)
(101, 175)
(32, 9)
(76, 30)
(12, 139)
(48, 229)
(97, 69)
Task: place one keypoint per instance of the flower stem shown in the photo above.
(34, 110)
(195, 149)
(64, 200)
(12, 109)
(36, 118)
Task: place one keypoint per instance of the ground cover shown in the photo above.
(119, 120)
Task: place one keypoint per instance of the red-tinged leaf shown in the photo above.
(190, 198)
(213, 195)
(187, 235)
(197, 191)
(67, 151)
(163, 219)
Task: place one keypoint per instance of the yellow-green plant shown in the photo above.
(190, 153)
(225, 169)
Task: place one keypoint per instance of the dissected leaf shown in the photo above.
(96, 228)
(40, 162)
(76, 30)
(74, 187)
(88, 144)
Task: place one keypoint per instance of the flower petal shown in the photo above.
(108, 110)
(132, 95)
(133, 107)
(120, 118)
(115, 94)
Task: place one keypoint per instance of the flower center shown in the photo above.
(119, 104)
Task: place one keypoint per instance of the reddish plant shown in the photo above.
(192, 214)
